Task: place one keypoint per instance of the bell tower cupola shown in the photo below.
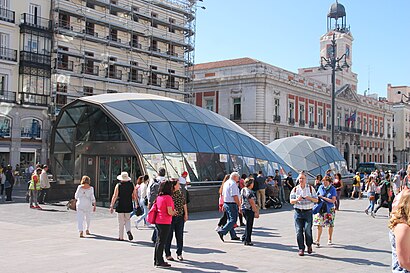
(336, 18)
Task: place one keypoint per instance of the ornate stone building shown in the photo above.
(271, 102)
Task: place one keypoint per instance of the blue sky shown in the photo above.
(286, 33)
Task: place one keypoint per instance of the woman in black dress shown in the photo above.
(122, 203)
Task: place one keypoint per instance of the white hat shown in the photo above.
(124, 177)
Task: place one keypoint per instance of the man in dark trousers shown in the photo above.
(260, 193)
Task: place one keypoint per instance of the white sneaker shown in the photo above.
(218, 228)
(136, 224)
(329, 242)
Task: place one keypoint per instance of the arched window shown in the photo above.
(5, 126)
(31, 128)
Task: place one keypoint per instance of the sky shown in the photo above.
(286, 34)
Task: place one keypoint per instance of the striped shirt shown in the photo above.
(305, 204)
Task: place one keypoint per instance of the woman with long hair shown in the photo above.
(399, 225)
(338, 184)
(141, 194)
(371, 194)
(84, 205)
(224, 217)
(163, 220)
(318, 182)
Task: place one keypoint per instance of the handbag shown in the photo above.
(317, 207)
(137, 210)
(72, 204)
(152, 214)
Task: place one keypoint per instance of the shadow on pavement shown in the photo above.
(102, 237)
(193, 270)
(290, 248)
(201, 250)
(360, 248)
(356, 261)
(213, 266)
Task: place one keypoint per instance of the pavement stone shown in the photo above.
(47, 241)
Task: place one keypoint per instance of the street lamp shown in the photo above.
(334, 63)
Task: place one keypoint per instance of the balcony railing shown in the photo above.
(301, 122)
(90, 70)
(5, 132)
(338, 128)
(370, 133)
(328, 127)
(7, 15)
(154, 81)
(365, 132)
(135, 78)
(35, 21)
(235, 117)
(114, 74)
(34, 99)
(172, 85)
(31, 133)
(65, 24)
(381, 134)
(311, 124)
(320, 125)
(291, 121)
(8, 54)
(8, 96)
(156, 49)
(135, 44)
(276, 118)
(26, 56)
(376, 134)
(388, 135)
(65, 65)
(172, 53)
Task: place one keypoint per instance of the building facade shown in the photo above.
(271, 103)
(25, 73)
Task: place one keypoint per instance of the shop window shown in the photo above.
(5, 127)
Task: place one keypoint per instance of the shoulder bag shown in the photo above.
(152, 214)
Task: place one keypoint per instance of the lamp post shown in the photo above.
(334, 63)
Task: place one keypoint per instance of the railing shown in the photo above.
(8, 96)
(90, 70)
(69, 65)
(35, 21)
(27, 132)
(26, 56)
(135, 44)
(338, 128)
(291, 121)
(172, 53)
(5, 132)
(135, 78)
(33, 99)
(301, 122)
(276, 118)
(8, 54)
(388, 135)
(328, 127)
(114, 38)
(114, 74)
(7, 15)
(311, 124)
(370, 133)
(235, 117)
(172, 85)
(376, 134)
(320, 125)
(381, 134)
(365, 132)
(155, 49)
(154, 81)
(65, 24)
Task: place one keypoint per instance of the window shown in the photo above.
(3, 84)
(376, 127)
(339, 119)
(302, 112)
(64, 20)
(88, 91)
(5, 126)
(237, 108)
(4, 44)
(134, 76)
(328, 118)
(359, 123)
(311, 114)
(111, 91)
(113, 35)
(30, 128)
(134, 41)
(154, 46)
(291, 110)
(89, 5)
(276, 108)
(89, 28)
(209, 104)
(370, 125)
(61, 97)
(320, 115)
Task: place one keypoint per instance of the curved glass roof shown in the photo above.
(310, 154)
(159, 126)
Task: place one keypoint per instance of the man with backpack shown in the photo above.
(152, 193)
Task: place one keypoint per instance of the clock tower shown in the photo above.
(337, 26)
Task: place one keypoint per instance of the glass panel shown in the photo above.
(174, 164)
(103, 179)
(185, 110)
(201, 137)
(190, 167)
(64, 167)
(67, 134)
(123, 117)
(263, 165)
(185, 144)
(144, 131)
(166, 109)
(115, 171)
(165, 145)
(164, 129)
(66, 120)
(152, 163)
(143, 146)
(127, 107)
(217, 134)
(148, 115)
(231, 146)
(75, 112)
(245, 150)
(149, 106)
(233, 137)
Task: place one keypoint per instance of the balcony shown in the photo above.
(338, 128)
(65, 24)
(381, 134)
(34, 99)
(135, 78)
(155, 49)
(291, 121)
(7, 15)
(113, 38)
(90, 70)
(311, 124)
(8, 54)
(8, 96)
(31, 132)
(114, 74)
(301, 122)
(365, 132)
(35, 22)
(388, 135)
(65, 65)
(407, 134)
(35, 58)
(172, 85)
(154, 81)
(320, 125)
(328, 127)
(376, 134)
(235, 117)
(171, 53)
(276, 118)
(135, 44)
(370, 133)
(5, 132)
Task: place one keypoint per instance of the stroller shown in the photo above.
(272, 197)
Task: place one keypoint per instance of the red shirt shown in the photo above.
(163, 202)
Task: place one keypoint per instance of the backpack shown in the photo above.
(153, 191)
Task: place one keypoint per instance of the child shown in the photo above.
(249, 210)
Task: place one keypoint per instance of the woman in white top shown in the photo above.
(85, 204)
(142, 184)
(371, 194)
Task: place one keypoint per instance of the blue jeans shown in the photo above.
(303, 226)
(372, 202)
(249, 216)
(177, 225)
(232, 213)
(145, 208)
(282, 194)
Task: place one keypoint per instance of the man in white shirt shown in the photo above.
(232, 206)
(44, 184)
(303, 197)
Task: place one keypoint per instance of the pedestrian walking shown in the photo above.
(85, 205)
(260, 193)
(44, 185)
(371, 194)
(9, 183)
(278, 180)
(34, 189)
(152, 193)
(249, 210)
(338, 184)
(303, 197)
(224, 217)
(122, 203)
(386, 194)
(142, 187)
(356, 186)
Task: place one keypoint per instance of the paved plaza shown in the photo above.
(47, 241)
